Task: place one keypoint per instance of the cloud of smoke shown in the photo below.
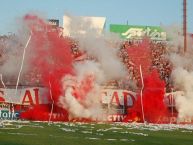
(182, 74)
(105, 66)
(13, 56)
(174, 35)
(89, 68)
(85, 103)
(110, 64)
(87, 106)
(99, 46)
(176, 39)
(13, 51)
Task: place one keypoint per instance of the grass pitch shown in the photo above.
(40, 133)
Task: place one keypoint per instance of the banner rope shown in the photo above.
(21, 67)
(142, 87)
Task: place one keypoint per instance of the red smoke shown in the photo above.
(43, 113)
(154, 88)
(140, 54)
(50, 55)
(152, 99)
(85, 86)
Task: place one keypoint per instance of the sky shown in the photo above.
(136, 12)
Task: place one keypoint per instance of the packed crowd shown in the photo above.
(2, 46)
(32, 78)
(159, 62)
(132, 81)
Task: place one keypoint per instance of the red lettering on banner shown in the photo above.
(29, 96)
(171, 101)
(36, 91)
(126, 95)
(116, 97)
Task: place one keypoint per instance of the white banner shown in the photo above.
(39, 95)
(25, 96)
(127, 98)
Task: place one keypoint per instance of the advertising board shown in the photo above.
(135, 32)
(53, 22)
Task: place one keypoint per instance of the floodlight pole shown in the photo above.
(185, 24)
